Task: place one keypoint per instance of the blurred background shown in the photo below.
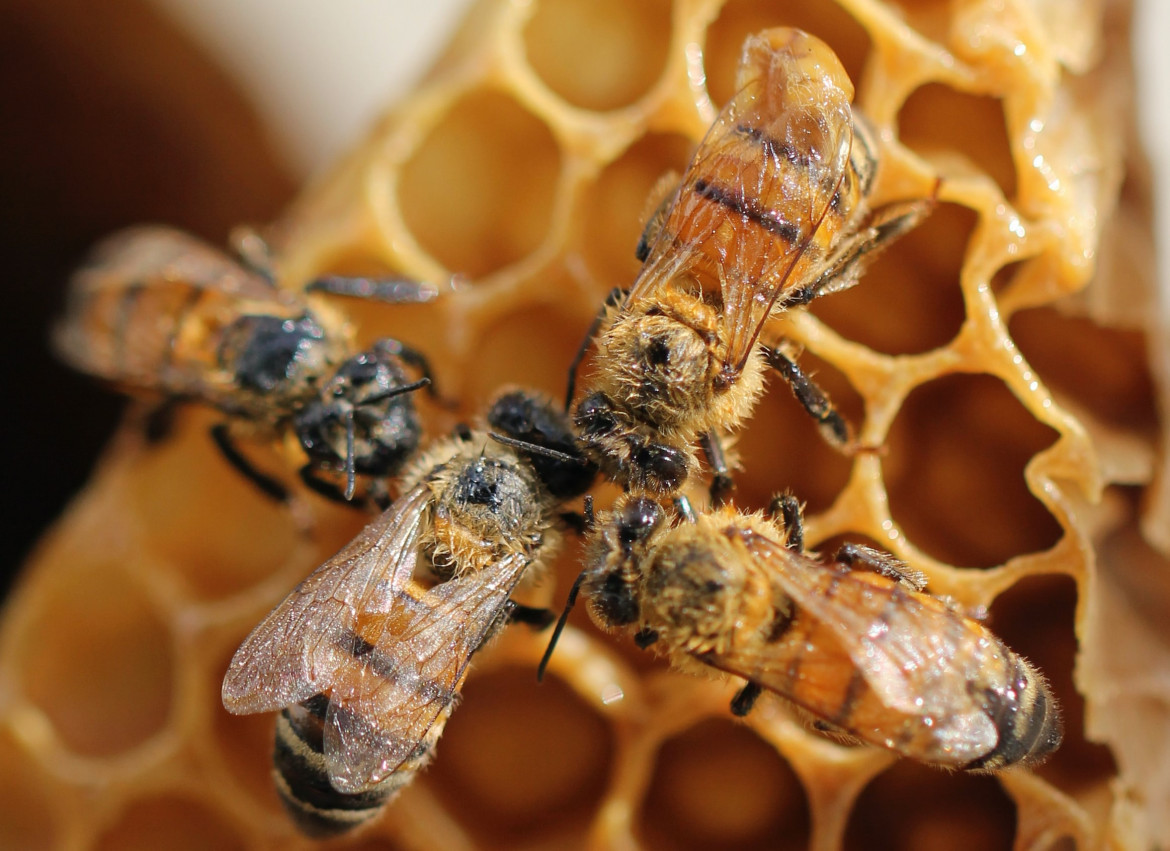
(204, 114)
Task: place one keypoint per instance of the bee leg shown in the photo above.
(313, 481)
(267, 484)
(787, 509)
(613, 299)
(419, 361)
(537, 618)
(721, 482)
(811, 397)
(858, 556)
(645, 637)
(576, 521)
(158, 420)
(388, 289)
(745, 699)
(684, 509)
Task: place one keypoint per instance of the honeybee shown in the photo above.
(366, 657)
(771, 213)
(853, 643)
(157, 311)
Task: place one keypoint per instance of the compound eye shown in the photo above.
(640, 518)
(595, 416)
(663, 468)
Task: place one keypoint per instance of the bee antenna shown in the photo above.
(536, 448)
(395, 391)
(590, 522)
(350, 463)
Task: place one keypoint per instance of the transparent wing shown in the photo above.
(151, 254)
(758, 188)
(387, 702)
(906, 645)
(302, 647)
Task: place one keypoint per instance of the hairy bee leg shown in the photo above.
(267, 484)
(536, 617)
(857, 556)
(611, 300)
(722, 484)
(745, 699)
(787, 509)
(811, 397)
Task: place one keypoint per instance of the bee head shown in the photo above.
(616, 558)
(637, 458)
(363, 421)
(532, 418)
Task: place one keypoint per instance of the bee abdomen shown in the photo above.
(1027, 722)
(302, 778)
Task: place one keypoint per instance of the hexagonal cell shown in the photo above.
(914, 808)
(783, 449)
(1106, 370)
(938, 119)
(522, 760)
(718, 784)
(740, 18)
(171, 822)
(504, 352)
(616, 206)
(1035, 617)
(459, 192)
(598, 54)
(955, 472)
(210, 524)
(98, 661)
(909, 299)
(26, 815)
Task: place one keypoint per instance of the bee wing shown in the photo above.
(771, 163)
(153, 254)
(902, 642)
(298, 650)
(394, 693)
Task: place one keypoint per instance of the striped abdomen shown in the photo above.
(302, 778)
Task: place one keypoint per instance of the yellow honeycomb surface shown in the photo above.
(998, 355)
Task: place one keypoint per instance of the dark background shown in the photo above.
(108, 116)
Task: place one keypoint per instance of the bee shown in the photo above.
(157, 311)
(854, 643)
(366, 657)
(771, 213)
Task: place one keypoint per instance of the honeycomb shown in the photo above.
(999, 355)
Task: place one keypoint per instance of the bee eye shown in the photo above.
(639, 519)
(594, 416)
(663, 468)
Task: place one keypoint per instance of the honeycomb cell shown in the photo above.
(109, 688)
(616, 207)
(955, 472)
(598, 54)
(1036, 619)
(215, 529)
(478, 193)
(913, 808)
(521, 759)
(740, 18)
(909, 300)
(1106, 371)
(783, 448)
(937, 119)
(719, 785)
(503, 352)
(174, 823)
(26, 814)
